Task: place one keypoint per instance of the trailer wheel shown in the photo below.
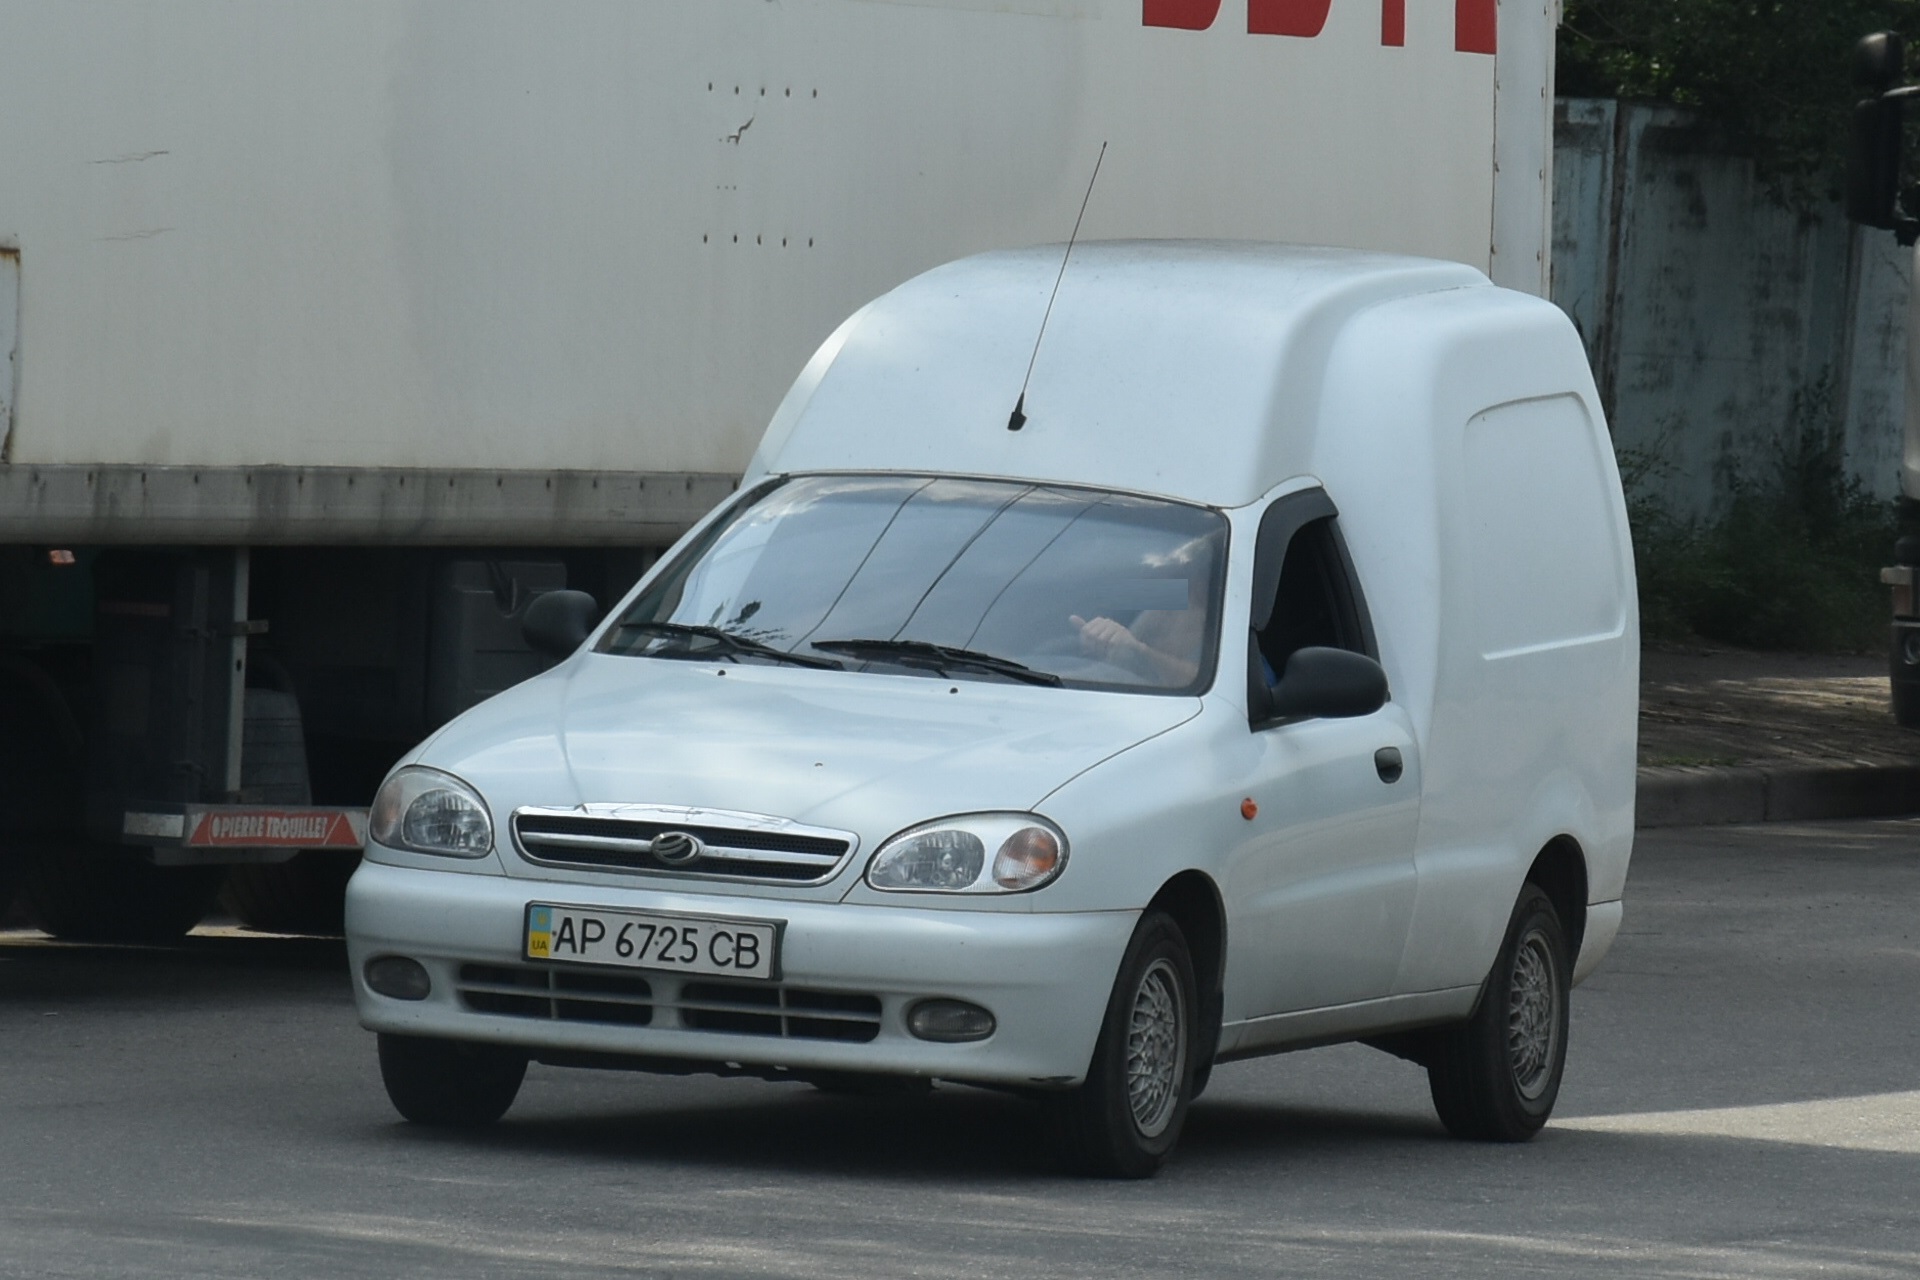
(452, 1084)
(1125, 1118)
(304, 895)
(104, 893)
(1495, 1077)
(41, 762)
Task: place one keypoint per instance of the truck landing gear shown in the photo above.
(308, 893)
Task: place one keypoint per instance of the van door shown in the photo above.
(1320, 894)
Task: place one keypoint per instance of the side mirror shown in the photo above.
(1328, 684)
(558, 622)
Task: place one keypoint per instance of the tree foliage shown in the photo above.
(1774, 75)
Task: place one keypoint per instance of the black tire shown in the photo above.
(307, 894)
(105, 893)
(450, 1084)
(1495, 1077)
(8, 874)
(1201, 1078)
(1112, 1125)
(41, 763)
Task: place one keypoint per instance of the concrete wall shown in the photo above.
(1719, 321)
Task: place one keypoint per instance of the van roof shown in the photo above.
(1186, 368)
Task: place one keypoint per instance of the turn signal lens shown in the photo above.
(1029, 857)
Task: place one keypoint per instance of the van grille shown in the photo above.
(737, 1008)
(557, 994)
(736, 846)
(779, 1011)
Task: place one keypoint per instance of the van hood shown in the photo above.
(858, 751)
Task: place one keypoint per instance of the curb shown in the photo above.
(1689, 797)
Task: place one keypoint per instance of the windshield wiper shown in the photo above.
(728, 642)
(937, 657)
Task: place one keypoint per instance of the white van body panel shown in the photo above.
(1150, 344)
(1528, 717)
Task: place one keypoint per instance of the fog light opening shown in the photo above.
(398, 977)
(949, 1021)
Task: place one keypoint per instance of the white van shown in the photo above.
(1265, 679)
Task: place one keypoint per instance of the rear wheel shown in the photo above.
(305, 895)
(105, 893)
(453, 1084)
(41, 762)
(1125, 1118)
(1496, 1077)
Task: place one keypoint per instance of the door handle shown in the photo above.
(1387, 763)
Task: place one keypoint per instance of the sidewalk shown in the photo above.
(1728, 735)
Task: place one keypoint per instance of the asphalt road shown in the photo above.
(1743, 1099)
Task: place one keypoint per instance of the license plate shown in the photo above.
(719, 946)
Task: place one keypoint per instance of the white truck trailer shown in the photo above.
(337, 332)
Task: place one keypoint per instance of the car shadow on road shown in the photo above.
(955, 1132)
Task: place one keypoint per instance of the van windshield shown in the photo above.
(958, 578)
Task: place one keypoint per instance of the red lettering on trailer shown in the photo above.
(1303, 18)
(1186, 15)
(1476, 25)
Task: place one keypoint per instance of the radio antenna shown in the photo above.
(1018, 419)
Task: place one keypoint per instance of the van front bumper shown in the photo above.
(1045, 977)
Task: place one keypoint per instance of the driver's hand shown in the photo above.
(1105, 639)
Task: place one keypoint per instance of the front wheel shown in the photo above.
(452, 1084)
(1125, 1118)
(1496, 1077)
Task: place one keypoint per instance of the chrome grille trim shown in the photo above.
(739, 846)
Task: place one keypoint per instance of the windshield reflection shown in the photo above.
(967, 579)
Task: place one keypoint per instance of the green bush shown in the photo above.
(1791, 560)
(1774, 75)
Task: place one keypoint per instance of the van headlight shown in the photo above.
(428, 811)
(971, 853)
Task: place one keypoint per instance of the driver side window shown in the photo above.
(1306, 593)
(1314, 602)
